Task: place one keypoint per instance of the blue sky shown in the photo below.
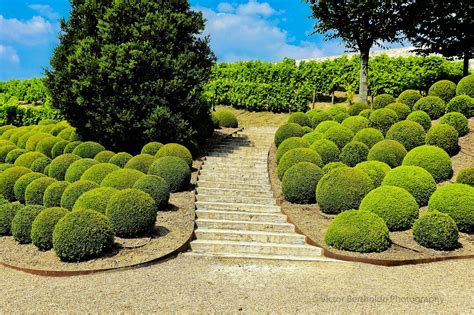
(239, 30)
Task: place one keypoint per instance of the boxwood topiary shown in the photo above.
(58, 148)
(7, 134)
(396, 206)
(120, 159)
(466, 86)
(173, 170)
(74, 191)
(58, 128)
(7, 213)
(98, 172)
(432, 105)
(335, 110)
(339, 135)
(433, 159)
(355, 123)
(20, 185)
(88, 149)
(4, 150)
(342, 189)
(132, 212)
(23, 139)
(388, 151)
(53, 193)
(35, 190)
(382, 119)
(436, 230)
(454, 119)
(369, 136)
(312, 136)
(80, 235)
(21, 223)
(420, 117)
(43, 226)
(444, 89)
(59, 165)
(39, 165)
(66, 133)
(300, 119)
(376, 171)
(46, 145)
(17, 135)
(28, 158)
(286, 131)
(95, 199)
(299, 182)
(141, 162)
(327, 149)
(104, 156)
(318, 117)
(382, 100)
(122, 178)
(416, 180)
(332, 166)
(152, 148)
(13, 155)
(341, 117)
(358, 231)
(466, 176)
(445, 137)
(463, 104)
(409, 97)
(35, 139)
(8, 179)
(288, 144)
(295, 156)
(409, 133)
(356, 108)
(307, 129)
(401, 109)
(353, 153)
(178, 150)
(5, 128)
(4, 166)
(156, 187)
(71, 146)
(226, 119)
(366, 113)
(457, 200)
(326, 125)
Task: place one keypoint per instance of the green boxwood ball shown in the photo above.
(342, 189)
(58, 148)
(454, 119)
(353, 153)
(457, 200)
(46, 145)
(463, 104)
(80, 235)
(4, 167)
(340, 117)
(432, 105)
(307, 129)
(8, 179)
(312, 136)
(104, 156)
(299, 182)
(152, 148)
(388, 151)
(369, 136)
(120, 159)
(43, 227)
(295, 156)
(422, 118)
(45, 122)
(466, 176)
(355, 123)
(358, 231)
(178, 150)
(416, 180)
(382, 119)
(88, 149)
(132, 212)
(436, 230)
(21, 223)
(35, 139)
(53, 193)
(173, 170)
(366, 113)
(382, 100)
(20, 185)
(7, 213)
(122, 178)
(71, 146)
(28, 158)
(58, 166)
(226, 119)
(332, 166)
(401, 109)
(300, 119)
(5, 128)
(58, 128)
(156, 187)
(66, 133)
(318, 117)
(95, 199)
(335, 110)
(23, 139)
(396, 206)
(409, 97)
(339, 135)
(39, 165)
(289, 144)
(326, 125)
(356, 108)
(445, 137)
(466, 86)
(433, 159)
(77, 168)
(98, 172)
(141, 162)
(327, 150)
(409, 133)
(444, 89)
(13, 155)
(286, 131)
(376, 171)
(34, 192)
(4, 150)
(74, 191)
(15, 137)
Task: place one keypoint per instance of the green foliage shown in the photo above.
(369, 136)
(120, 159)
(326, 125)
(353, 153)
(409, 133)
(59, 166)
(13, 155)
(5, 149)
(355, 123)
(456, 120)
(289, 144)
(388, 151)
(43, 226)
(88, 149)
(95, 199)
(156, 187)
(444, 89)
(295, 156)
(466, 176)
(173, 170)
(382, 119)
(31, 91)
(382, 100)
(356, 108)
(286, 131)
(462, 104)
(436, 230)
(104, 156)
(122, 178)
(34, 193)
(12, 114)
(74, 191)
(445, 137)
(300, 118)
(318, 117)
(432, 105)
(299, 182)
(401, 109)
(312, 136)
(340, 117)
(151, 147)
(376, 171)
(98, 172)
(327, 149)
(53, 193)
(422, 118)
(35, 139)
(366, 113)
(225, 119)
(4, 167)
(69, 148)
(339, 135)
(46, 145)
(28, 158)
(466, 86)
(22, 183)
(7, 213)
(8, 179)
(141, 162)
(178, 150)
(77, 169)
(433, 159)
(21, 223)
(332, 166)
(409, 97)
(59, 148)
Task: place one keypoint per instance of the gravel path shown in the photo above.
(201, 285)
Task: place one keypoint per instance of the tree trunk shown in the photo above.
(466, 64)
(364, 74)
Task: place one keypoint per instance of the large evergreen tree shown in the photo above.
(130, 71)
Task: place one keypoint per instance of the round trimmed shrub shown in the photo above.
(382, 100)
(74, 191)
(312, 136)
(353, 153)
(300, 119)
(416, 180)
(20, 185)
(445, 137)
(4, 150)
(409, 133)
(339, 135)
(132, 212)
(58, 128)
(433, 159)
(141, 162)
(77, 168)
(376, 171)
(307, 129)
(388, 151)
(444, 89)
(35, 139)
(382, 119)
(318, 117)
(35, 190)
(80, 235)
(104, 156)
(156, 187)
(7, 213)
(366, 113)
(28, 158)
(5, 128)
(122, 178)
(178, 150)
(95, 199)
(58, 148)
(342, 189)
(369, 136)
(299, 182)
(356, 108)
(454, 119)
(46, 145)
(45, 122)
(151, 148)
(457, 200)
(355, 123)
(53, 193)
(396, 206)
(421, 118)
(120, 159)
(39, 165)
(466, 176)
(173, 170)
(332, 166)
(4, 167)
(358, 231)
(409, 97)
(436, 230)
(88, 149)
(466, 86)
(286, 131)
(71, 146)
(401, 109)
(432, 105)
(66, 133)
(17, 135)
(21, 223)
(13, 155)
(7, 134)
(58, 166)
(226, 119)
(326, 125)
(43, 226)
(295, 156)
(289, 144)
(23, 139)
(98, 172)
(8, 179)
(327, 150)
(341, 117)
(462, 104)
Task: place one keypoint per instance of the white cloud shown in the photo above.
(255, 8)
(8, 56)
(45, 10)
(30, 32)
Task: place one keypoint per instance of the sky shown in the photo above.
(239, 30)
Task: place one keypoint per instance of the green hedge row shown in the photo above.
(26, 115)
(31, 91)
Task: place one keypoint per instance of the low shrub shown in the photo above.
(335, 110)
(46, 145)
(432, 105)
(77, 168)
(104, 156)
(58, 166)
(39, 165)
(178, 150)
(5, 128)
(422, 118)
(225, 119)
(366, 113)
(59, 148)
(71, 146)
(353, 153)
(4, 167)
(462, 104)
(34, 192)
(445, 137)
(53, 193)
(340, 117)
(436, 230)
(23, 139)
(286, 131)
(466, 176)
(33, 141)
(43, 226)
(299, 182)
(289, 144)
(67, 134)
(295, 156)
(339, 135)
(409, 97)
(20, 185)
(98, 172)
(466, 86)
(382, 119)
(141, 162)
(458, 121)
(95, 199)
(173, 170)
(318, 117)
(17, 135)
(88, 149)
(409, 133)
(443, 89)
(382, 100)
(8, 179)
(122, 178)
(4, 150)
(312, 136)
(13, 155)
(300, 119)
(156, 187)
(151, 148)
(356, 108)
(120, 159)
(332, 166)
(74, 191)
(21, 223)
(327, 150)
(28, 158)
(7, 213)
(369, 136)
(433, 159)
(388, 151)
(376, 171)
(355, 123)
(401, 109)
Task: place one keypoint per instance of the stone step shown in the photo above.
(262, 257)
(233, 185)
(242, 180)
(237, 199)
(252, 156)
(234, 192)
(249, 236)
(241, 216)
(213, 246)
(245, 160)
(207, 205)
(249, 169)
(232, 145)
(240, 165)
(242, 176)
(245, 225)
(239, 151)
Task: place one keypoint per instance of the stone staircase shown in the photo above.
(237, 215)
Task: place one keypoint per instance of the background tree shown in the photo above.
(361, 24)
(442, 27)
(127, 72)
